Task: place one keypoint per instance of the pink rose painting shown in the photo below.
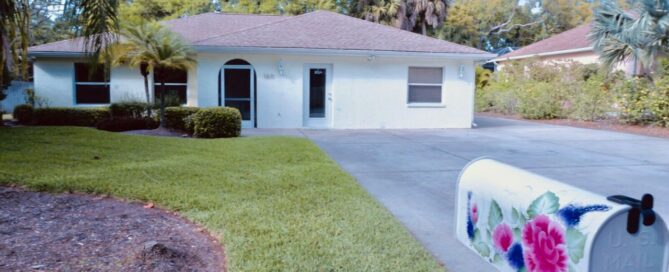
(475, 213)
(502, 237)
(544, 243)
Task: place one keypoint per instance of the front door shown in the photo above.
(238, 91)
(317, 95)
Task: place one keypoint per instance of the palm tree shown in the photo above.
(129, 52)
(383, 11)
(641, 33)
(411, 15)
(99, 25)
(153, 47)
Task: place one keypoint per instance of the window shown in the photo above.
(425, 85)
(176, 83)
(91, 84)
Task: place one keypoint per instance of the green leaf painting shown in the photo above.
(575, 244)
(548, 203)
(495, 216)
(480, 246)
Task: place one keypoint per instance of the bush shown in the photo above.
(540, 100)
(217, 122)
(189, 126)
(23, 113)
(127, 123)
(87, 117)
(593, 100)
(174, 117)
(128, 109)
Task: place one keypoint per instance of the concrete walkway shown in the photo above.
(413, 172)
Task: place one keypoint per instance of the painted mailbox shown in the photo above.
(520, 221)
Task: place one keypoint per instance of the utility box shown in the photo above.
(520, 221)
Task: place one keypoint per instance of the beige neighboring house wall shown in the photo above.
(570, 46)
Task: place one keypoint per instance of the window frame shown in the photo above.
(77, 83)
(157, 84)
(439, 104)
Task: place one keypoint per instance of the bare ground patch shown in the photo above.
(75, 232)
(610, 125)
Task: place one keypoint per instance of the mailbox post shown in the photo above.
(520, 221)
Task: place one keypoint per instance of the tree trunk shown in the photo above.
(148, 97)
(162, 104)
(424, 28)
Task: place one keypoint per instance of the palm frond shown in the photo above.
(100, 24)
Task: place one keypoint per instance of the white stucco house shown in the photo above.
(320, 69)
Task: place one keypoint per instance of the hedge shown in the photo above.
(128, 109)
(174, 117)
(87, 117)
(118, 124)
(23, 113)
(217, 122)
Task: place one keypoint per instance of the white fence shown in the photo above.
(15, 95)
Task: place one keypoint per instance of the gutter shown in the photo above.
(545, 54)
(298, 51)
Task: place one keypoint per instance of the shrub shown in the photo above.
(593, 100)
(217, 122)
(127, 123)
(540, 100)
(87, 117)
(189, 126)
(128, 109)
(174, 117)
(23, 113)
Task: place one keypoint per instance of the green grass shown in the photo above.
(275, 203)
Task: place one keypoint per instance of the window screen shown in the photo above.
(176, 82)
(425, 84)
(91, 85)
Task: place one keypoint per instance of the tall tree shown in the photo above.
(97, 20)
(138, 11)
(387, 12)
(642, 33)
(411, 15)
(493, 24)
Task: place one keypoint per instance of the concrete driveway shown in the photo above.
(413, 172)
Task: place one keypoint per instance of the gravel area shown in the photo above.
(76, 232)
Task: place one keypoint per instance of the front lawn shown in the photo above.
(275, 203)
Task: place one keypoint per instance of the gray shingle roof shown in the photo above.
(575, 38)
(314, 30)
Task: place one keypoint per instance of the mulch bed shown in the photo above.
(610, 125)
(76, 232)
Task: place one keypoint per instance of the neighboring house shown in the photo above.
(320, 69)
(571, 45)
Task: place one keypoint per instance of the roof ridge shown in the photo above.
(249, 28)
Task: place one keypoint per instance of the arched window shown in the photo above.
(237, 62)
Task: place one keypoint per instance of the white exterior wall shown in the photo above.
(365, 94)
(54, 80)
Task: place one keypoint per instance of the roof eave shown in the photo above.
(545, 54)
(298, 51)
(55, 54)
(341, 52)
